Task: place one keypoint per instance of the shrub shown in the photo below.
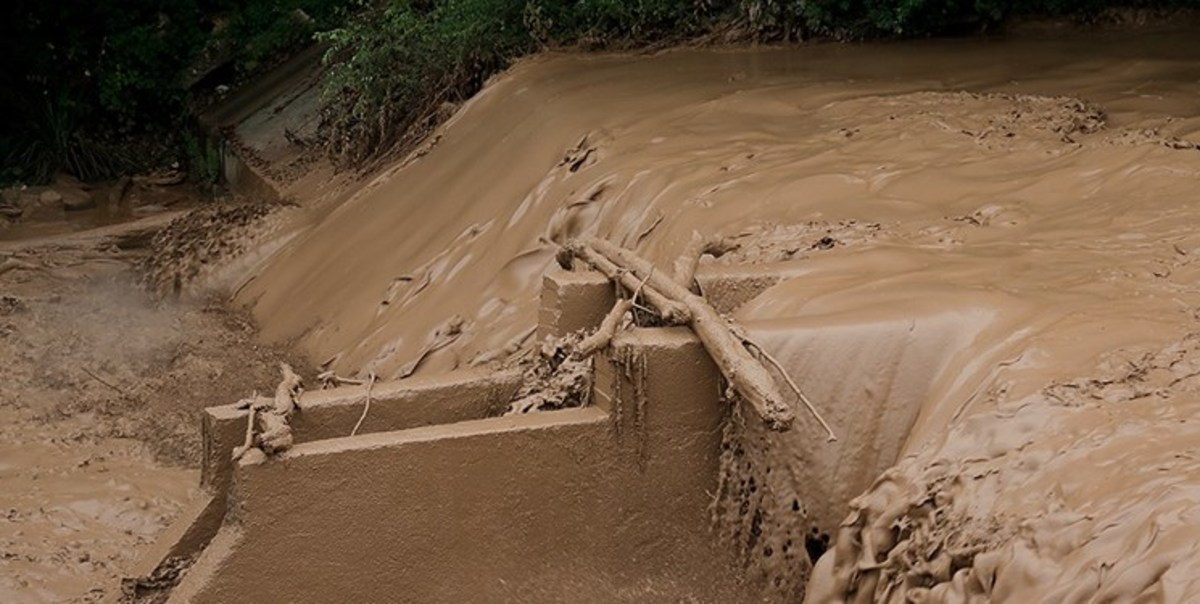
(393, 67)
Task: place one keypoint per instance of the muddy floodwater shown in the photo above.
(992, 251)
(993, 255)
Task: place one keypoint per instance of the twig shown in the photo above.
(106, 383)
(792, 384)
(646, 232)
(672, 311)
(611, 323)
(329, 379)
(367, 405)
(248, 444)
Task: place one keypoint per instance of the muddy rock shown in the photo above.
(46, 205)
(75, 199)
(50, 196)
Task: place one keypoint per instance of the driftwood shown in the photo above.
(747, 375)
(329, 379)
(564, 372)
(271, 416)
(699, 246)
(672, 311)
(599, 339)
(366, 405)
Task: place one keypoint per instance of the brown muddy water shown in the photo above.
(100, 387)
(992, 294)
(993, 253)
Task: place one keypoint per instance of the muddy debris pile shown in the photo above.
(1017, 503)
(194, 245)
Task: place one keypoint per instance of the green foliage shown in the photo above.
(54, 143)
(264, 30)
(393, 66)
(609, 22)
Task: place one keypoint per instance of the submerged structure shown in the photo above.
(441, 496)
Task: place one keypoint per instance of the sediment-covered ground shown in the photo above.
(100, 388)
(991, 256)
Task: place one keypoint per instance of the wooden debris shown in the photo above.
(747, 375)
(672, 311)
(698, 247)
(270, 415)
(366, 405)
(599, 339)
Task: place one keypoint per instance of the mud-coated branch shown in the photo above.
(747, 375)
(698, 247)
(671, 311)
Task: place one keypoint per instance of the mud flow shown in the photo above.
(982, 262)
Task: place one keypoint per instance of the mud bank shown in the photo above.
(966, 227)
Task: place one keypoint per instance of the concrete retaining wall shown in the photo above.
(439, 499)
(601, 504)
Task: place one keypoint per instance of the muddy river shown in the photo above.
(992, 246)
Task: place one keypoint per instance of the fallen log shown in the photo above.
(748, 377)
(671, 311)
(271, 415)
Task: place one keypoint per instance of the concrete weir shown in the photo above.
(440, 498)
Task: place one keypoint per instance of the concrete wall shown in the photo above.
(418, 401)
(601, 504)
(439, 500)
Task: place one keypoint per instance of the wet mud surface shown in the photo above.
(100, 389)
(991, 294)
(968, 227)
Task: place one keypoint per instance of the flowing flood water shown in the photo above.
(992, 249)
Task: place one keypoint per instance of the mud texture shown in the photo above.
(1021, 502)
(960, 224)
(187, 256)
(100, 393)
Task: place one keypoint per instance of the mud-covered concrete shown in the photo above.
(600, 504)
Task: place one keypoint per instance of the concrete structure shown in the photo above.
(440, 498)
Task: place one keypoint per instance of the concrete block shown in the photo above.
(546, 507)
(573, 300)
